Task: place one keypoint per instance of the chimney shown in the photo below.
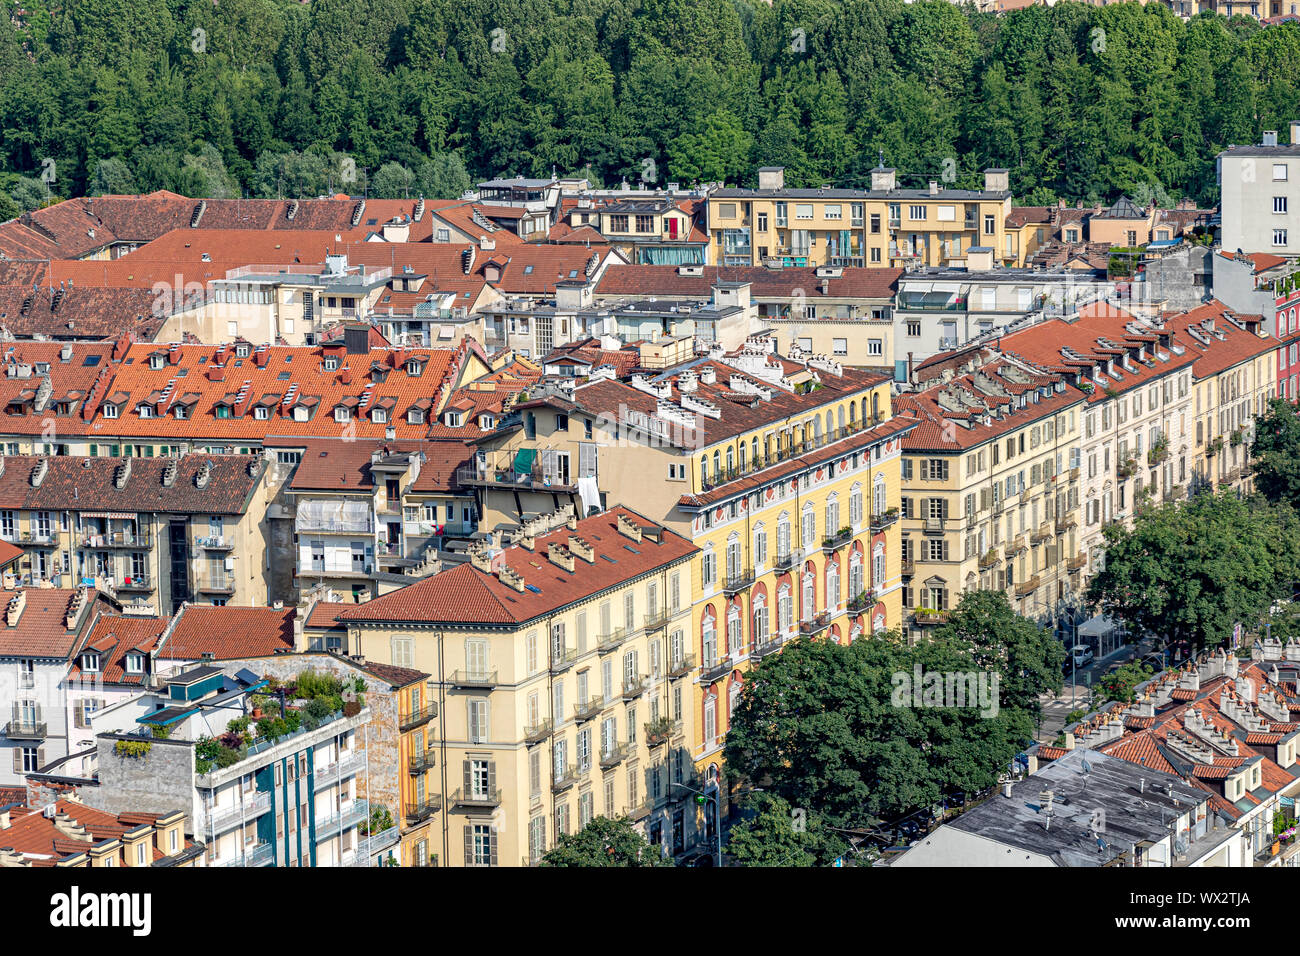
(1270, 137)
(122, 474)
(204, 475)
(628, 528)
(14, 611)
(40, 471)
(771, 177)
(4, 819)
(934, 188)
(1006, 789)
(559, 556)
(997, 181)
(882, 180)
(1295, 132)
(169, 473)
(478, 557)
(173, 354)
(582, 549)
(511, 578)
(216, 373)
(261, 356)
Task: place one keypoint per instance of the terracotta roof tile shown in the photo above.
(229, 632)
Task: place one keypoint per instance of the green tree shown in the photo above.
(1275, 455)
(1119, 683)
(1191, 571)
(769, 837)
(111, 176)
(604, 842)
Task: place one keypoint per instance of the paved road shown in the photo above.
(1056, 707)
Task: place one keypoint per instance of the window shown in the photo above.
(1279, 172)
(1279, 204)
(990, 225)
(840, 346)
(1279, 237)
(803, 210)
(917, 213)
(478, 721)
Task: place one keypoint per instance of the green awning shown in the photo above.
(524, 461)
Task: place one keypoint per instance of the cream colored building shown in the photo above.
(991, 487)
(561, 672)
(882, 226)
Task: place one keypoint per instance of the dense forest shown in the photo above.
(421, 97)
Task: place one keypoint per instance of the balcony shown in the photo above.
(879, 522)
(861, 602)
(585, 710)
(508, 478)
(37, 539)
(1044, 532)
(1065, 524)
(214, 542)
(1017, 545)
(770, 646)
(473, 799)
(639, 813)
(635, 687)
(908, 567)
(933, 526)
(784, 562)
(661, 731)
(1028, 586)
(419, 811)
(1077, 563)
(536, 733)
(378, 842)
(255, 803)
(681, 667)
(217, 584)
(473, 679)
(415, 718)
(563, 659)
(564, 778)
(136, 582)
(737, 581)
(716, 670)
(989, 559)
(925, 615)
(815, 624)
(26, 726)
(837, 540)
(608, 642)
(614, 755)
(656, 619)
(350, 764)
(262, 854)
(349, 816)
(99, 541)
(418, 763)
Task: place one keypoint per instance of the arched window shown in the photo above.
(855, 575)
(704, 470)
(731, 459)
(809, 596)
(733, 698)
(784, 609)
(841, 417)
(880, 623)
(875, 405)
(832, 586)
(708, 640)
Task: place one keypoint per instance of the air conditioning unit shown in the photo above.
(230, 564)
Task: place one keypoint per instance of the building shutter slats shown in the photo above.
(469, 846)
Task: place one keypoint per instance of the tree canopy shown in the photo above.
(848, 732)
(1077, 101)
(604, 842)
(1275, 455)
(1193, 570)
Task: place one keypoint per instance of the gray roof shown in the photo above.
(1132, 813)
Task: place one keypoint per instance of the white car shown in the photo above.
(1082, 655)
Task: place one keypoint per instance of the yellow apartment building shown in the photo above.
(560, 665)
(991, 487)
(882, 226)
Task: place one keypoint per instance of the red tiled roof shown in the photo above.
(229, 632)
(114, 636)
(41, 629)
(466, 594)
(31, 832)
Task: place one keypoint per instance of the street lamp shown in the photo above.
(701, 797)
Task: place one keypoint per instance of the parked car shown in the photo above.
(1079, 656)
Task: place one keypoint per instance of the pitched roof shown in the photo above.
(229, 632)
(466, 594)
(114, 636)
(83, 484)
(41, 630)
(31, 832)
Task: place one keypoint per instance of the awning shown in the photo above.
(121, 515)
(1098, 626)
(524, 461)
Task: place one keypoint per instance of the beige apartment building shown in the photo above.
(154, 532)
(991, 487)
(561, 671)
(882, 226)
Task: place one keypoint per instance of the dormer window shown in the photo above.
(110, 411)
(182, 412)
(90, 662)
(241, 350)
(486, 422)
(135, 663)
(342, 414)
(261, 413)
(454, 419)
(157, 361)
(379, 415)
(414, 368)
(415, 416)
(222, 411)
(146, 411)
(301, 413)
(331, 362)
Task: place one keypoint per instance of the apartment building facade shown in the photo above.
(990, 488)
(559, 666)
(882, 226)
(1260, 195)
